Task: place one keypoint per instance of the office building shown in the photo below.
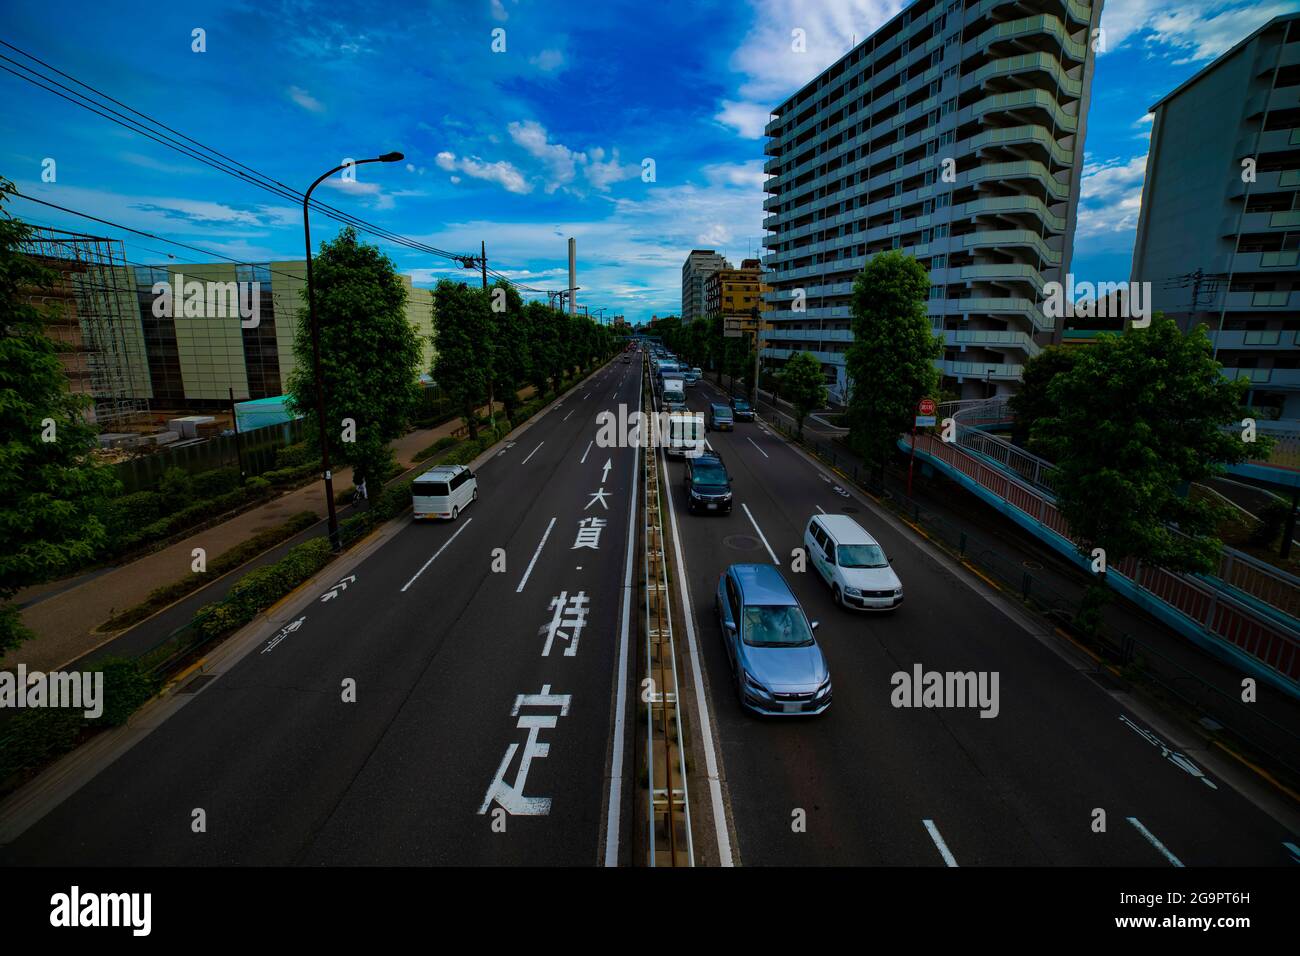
(1219, 232)
(699, 265)
(733, 293)
(954, 133)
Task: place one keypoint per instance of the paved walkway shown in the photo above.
(65, 618)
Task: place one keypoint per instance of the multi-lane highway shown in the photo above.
(482, 727)
(880, 784)
(454, 699)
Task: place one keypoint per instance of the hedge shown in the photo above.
(260, 588)
(227, 561)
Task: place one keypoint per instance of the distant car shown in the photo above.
(741, 410)
(778, 666)
(853, 564)
(708, 486)
(692, 376)
(720, 418)
(627, 360)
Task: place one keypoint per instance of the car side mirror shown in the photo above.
(815, 625)
(891, 560)
(731, 627)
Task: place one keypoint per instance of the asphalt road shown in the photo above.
(1022, 788)
(439, 645)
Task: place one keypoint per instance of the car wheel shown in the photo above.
(835, 593)
(455, 513)
(475, 498)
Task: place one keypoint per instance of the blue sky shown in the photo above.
(521, 148)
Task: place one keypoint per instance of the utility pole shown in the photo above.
(239, 451)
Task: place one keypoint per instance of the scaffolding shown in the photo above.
(92, 309)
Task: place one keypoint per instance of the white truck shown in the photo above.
(685, 438)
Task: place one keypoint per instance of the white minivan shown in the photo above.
(853, 564)
(443, 492)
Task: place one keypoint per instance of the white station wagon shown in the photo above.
(852, 563)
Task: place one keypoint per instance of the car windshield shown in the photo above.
(741, 406)
(709, 475)
(429, 489)
(780, 626)
(721, 411)
(861, 556)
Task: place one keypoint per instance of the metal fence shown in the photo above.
(257, 448)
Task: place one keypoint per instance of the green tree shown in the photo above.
(890, 363)
(1129, 423)
(52, 491)
(461, 325)
(369, 353)
(1031, 403)
(511, 349)
(543, 346)
(804, 385)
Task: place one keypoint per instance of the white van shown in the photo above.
(853, 564)
(443, 492)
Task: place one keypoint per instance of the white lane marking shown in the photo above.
(536, 554)
(821, 509)
(587, 396)
(533, 452)
(1295, 851)
(760, 451)
(1151, 838)
(436, 553)
(775, 559)
(587, 452)
(620, 700)
(706, 726)
(566, 417)
(948, 858)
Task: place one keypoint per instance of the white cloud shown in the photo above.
(499, 12)
(747, 119)
(748, 174)
(1110, 198)
(501, 172)
(602, 175)
(305, 99)
(773, 69)
(549, 60)
(1198, 29)
(561, 161)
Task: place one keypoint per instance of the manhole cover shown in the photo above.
(194, 686)
(742, 542)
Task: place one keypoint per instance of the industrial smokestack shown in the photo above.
(573, 275)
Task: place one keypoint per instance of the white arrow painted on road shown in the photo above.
(605, 471)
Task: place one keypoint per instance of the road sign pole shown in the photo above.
(911, 459)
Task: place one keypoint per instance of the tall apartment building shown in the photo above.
(697, 267)
(1220, 247)
(733, 293)
(955, 133)
(193, 363)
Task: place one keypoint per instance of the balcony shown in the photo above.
(991, 338)
(1263, 339)
(1026, 309)
(981, 371)
(1273, 378)
(1259, 301)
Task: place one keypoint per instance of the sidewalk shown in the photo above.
(65, 620)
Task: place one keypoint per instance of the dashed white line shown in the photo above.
(775, 559)
(821, 509)
(760, 451)
(533, 452)
(948, 858)
(1151, 838)
(436, 553)
(536, 554)
(566, 417)
(587, 452)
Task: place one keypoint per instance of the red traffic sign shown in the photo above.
(925, 406)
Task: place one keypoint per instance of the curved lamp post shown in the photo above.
(335, 543)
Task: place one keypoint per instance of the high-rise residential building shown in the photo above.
(1219, 232)
(697, 267)
(954, 133)
(733, 293)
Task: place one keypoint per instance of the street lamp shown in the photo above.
(335, 543)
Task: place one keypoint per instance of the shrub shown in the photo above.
(218, 481)
(176, 489)
(262, 587)
(133, 511)
(291, 456)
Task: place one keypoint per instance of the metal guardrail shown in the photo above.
(669, 824)
(1215, 612)
(1250, 576)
